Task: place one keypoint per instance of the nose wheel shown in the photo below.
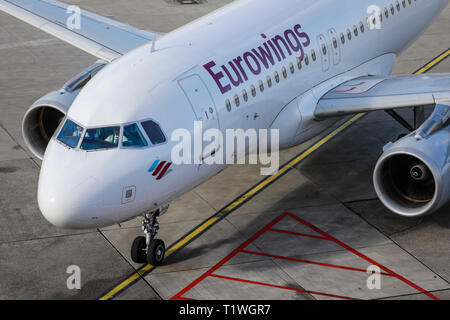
(156, 252)
(148, 249)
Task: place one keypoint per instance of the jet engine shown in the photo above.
(43, 118)
(412, 177)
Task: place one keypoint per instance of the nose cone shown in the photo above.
(69, 196)
(68, 205)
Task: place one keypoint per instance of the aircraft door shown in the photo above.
(324, 52)
(335, 46)
(201, 100)
(203, 107)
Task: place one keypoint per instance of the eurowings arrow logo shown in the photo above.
(159, 169)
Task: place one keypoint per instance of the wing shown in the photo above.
(367, 94)
(102, 37)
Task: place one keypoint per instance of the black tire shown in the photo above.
(156, 252)
(138, 252)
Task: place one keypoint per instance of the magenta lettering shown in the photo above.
(257, 69)
(253, 61)
(217, 77)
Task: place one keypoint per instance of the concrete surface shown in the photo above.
(332, 190)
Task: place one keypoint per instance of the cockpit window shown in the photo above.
(154, 132)
(132, 137)
(70, 134)
(101, 138)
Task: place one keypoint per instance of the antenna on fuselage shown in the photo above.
(154, 44)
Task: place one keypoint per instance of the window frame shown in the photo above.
(59, 129)
(119, 145)
(261, 86)
(143, 133)
(253, 90)
(228, 104)
(151, 144)
(237, 102)
(245, 95)
(269, 81)
(102, 127)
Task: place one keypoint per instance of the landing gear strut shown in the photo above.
(148, 249)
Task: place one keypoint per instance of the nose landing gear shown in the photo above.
(148, 249)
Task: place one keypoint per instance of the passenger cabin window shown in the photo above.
(101, 138)
(245, 95)
(70, 134)
(132, 137)
(253, 89)
(292, 68)
(277, 76)
(299, 63)
(284, 72)
(261, 86)
(154, 132)
(228, 104)
(269, 81)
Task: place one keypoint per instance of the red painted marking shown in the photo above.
(411, 284)
(299, 234)
(326, 236)
(186, 299)
(158, 168)
(311, 262)
(163, 172)
(358, 84)
(227, 258)
(281, 287)
(345, 91)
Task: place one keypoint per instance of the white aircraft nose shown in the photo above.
(69, 206)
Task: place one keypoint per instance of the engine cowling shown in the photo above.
(412, 177)
(43, 118)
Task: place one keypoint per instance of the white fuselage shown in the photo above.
(79, 189)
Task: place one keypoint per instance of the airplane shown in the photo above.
(298, 66)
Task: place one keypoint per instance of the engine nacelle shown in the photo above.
(43, 118)
(412, 177)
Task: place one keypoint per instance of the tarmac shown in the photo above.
(309, 233)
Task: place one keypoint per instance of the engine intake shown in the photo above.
(412, 177)
(44, 116)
